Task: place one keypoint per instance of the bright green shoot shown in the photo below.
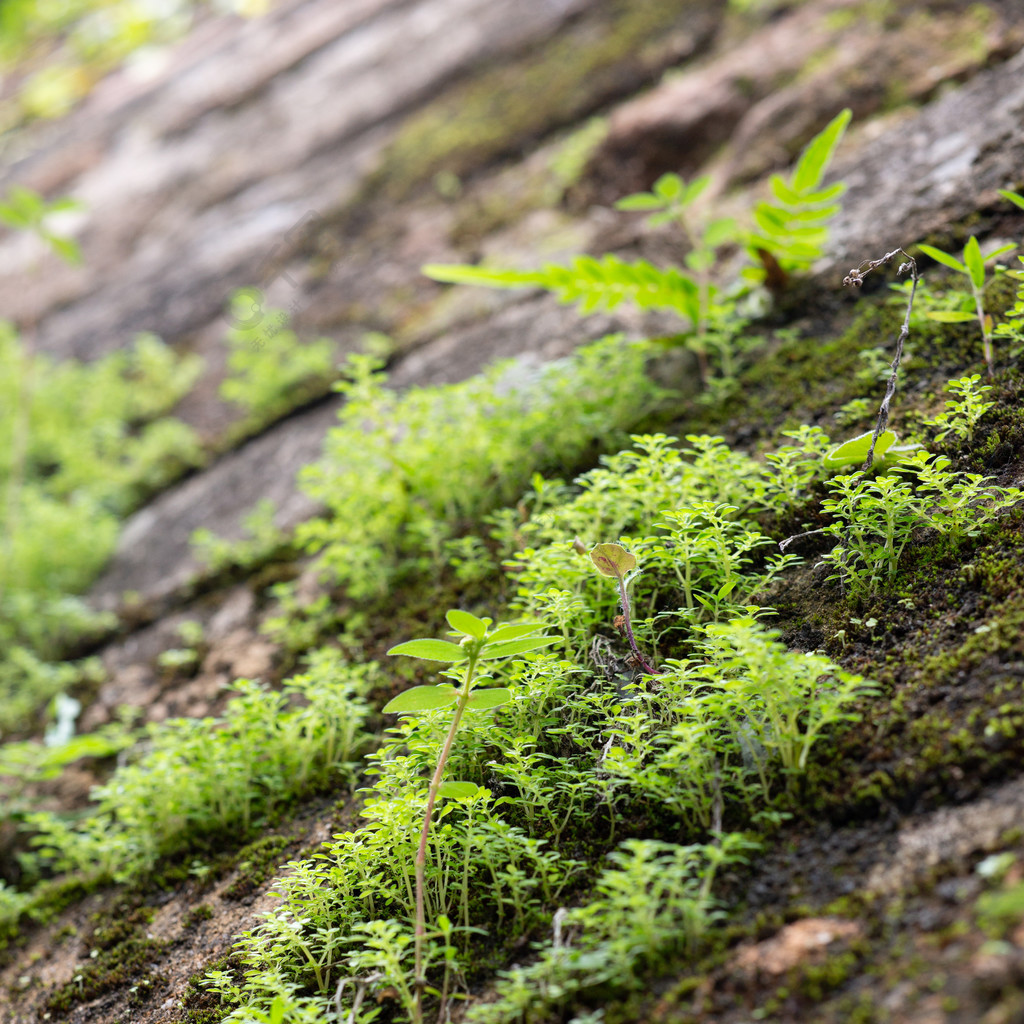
(973, 267)
(478, 643)
(963, 412)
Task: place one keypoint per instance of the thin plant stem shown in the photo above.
(626, 614)
(421, 853)
(986, 340)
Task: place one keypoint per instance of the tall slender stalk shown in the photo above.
(421, 853)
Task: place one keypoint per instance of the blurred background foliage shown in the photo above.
(52, 52)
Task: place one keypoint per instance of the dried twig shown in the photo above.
(856, 278)
(362, 985)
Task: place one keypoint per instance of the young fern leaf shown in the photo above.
(793, 229)
(596, 284)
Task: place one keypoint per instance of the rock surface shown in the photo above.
(275, 153)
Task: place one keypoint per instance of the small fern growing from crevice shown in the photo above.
(790, 235)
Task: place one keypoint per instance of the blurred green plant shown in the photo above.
(270, 371)
(54, 51)
(972, 266)
(81, 445)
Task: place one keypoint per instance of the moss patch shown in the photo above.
(122, 954)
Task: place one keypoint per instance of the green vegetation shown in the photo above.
(477, 643)
(270, 372)
(973, 267)
(404, 475)
(80, 446)
(196, 779)
(874, 519)
(963, 413)
(604, 764)
(56, 52)
(792, 232)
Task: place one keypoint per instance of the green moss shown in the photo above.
(198, 1004)
(800, 379)
(127, 962)
(499, 110)
(256, 863)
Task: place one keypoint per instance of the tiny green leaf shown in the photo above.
(1001, 251)
(508, 648)
(1014, 197)
(974, 262)
(951, 316)
(612, 560)
(811, 166)
(640, 201)
(458, 790)
(431, 650)
(669, 186)
(464, 622)
(485, 700)
(695, 188)
(66, 248)
(942, 257)
(420, 698)
(503, 633)
(855, 451)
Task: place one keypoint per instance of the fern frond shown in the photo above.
(595, 284)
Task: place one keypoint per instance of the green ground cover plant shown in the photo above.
(963, 412)
(80, 446)
(654, 901)
(725, 734)
(874, 518)
(196, 778)
(477, 643)
(666, 775)
(404, 474)
(270, 371)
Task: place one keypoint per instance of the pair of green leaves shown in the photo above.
(479, 643)
(972, 266)
(855, 451)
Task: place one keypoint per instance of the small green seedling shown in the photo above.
(962, 414)
(615, 561)
(973, 267)
(478, 643)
